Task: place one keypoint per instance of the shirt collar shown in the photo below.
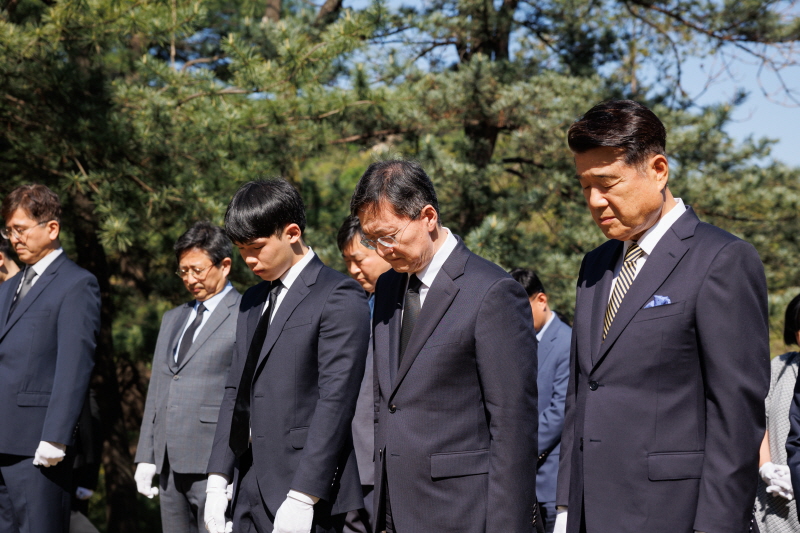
(294, 271)
(428, 274)
(212, 302)
(540, 334)
(651, 237)
(41, 265)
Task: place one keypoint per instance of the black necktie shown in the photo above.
(240, 425)
(411, 308)
(27, 283)
(188, 336)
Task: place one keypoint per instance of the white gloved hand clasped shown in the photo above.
(218, 494)
(145, 472)
(49, 454)
(295, 514)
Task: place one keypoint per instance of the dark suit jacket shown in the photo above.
(304, 390)
(552, 381)
(793, 440)
(364, 425)
(46, 356)
(665, 417)
(183, 401)
(456, 422)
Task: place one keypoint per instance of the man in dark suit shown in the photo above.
(365, 266)
(553, 374)
(670, 352)
(301, 341)
(190, 368)
(49, 320)
(455, 370)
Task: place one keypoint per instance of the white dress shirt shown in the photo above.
(288, 279)
(210, 305)
(40, 266)
(428, 274)
(649, 240)
(540, 333)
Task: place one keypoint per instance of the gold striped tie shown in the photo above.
(624, 280)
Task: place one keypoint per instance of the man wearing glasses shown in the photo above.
(49, 320)
(455, 370)
(190, 367)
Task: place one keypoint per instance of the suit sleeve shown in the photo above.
(341, 356)
(78, 326)
(568, 433)
(793, 440)
(222, 458)
(505, 348)
(145, 450)
(733, 337)
(551, 416)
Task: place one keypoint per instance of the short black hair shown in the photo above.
(623, 124)
(791, 324)
(404, 185)
(351, 229)
(5, 249)
(528, 279)
(263, 208)
(205, 236)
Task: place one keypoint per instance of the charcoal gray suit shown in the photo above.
(665, 417)
(456, 419)
(302, 400)
(180, 416)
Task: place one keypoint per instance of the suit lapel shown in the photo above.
(8, 296)
(294, 295)
(221, 312)
(39, 286)
(397, 290)
(659, 265)
(180, 323)
(254, 313)
(440, 295)
(546, 345)
(601, 292)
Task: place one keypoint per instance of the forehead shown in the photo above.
(601, 162)
(20, 217)
(194, 256)
(380, 219)
(354, 248)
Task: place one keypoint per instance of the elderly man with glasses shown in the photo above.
(190, 367)
(50, 317)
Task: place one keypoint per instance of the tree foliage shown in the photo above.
(146, 115)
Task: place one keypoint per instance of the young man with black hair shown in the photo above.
(284, 436)
(190, 368)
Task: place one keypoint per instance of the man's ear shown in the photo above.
(293, 233)
(53, 228)
(659, 167)
(429, 213)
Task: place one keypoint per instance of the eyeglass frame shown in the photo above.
(371, 244)
(195, 272)
(7, 232)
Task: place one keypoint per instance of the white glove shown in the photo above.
(768, 472)
(561, 521)
(217, 497)
(144, 479)
(295, 514)
(49, 454)
(778, 480)
(83, 493)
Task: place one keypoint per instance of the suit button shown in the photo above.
(392, 408)
(175, 378)
(593, 385)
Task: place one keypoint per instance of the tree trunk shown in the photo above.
(273, 11)
(117, 460)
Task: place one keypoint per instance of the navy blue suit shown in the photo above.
(665, 416)
(47, 350)
(302, 400)
(456, 420)
(552, 381)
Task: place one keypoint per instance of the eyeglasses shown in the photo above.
(17, 232)
(387, 241)
(183, 273)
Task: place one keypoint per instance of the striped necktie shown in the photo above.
(624, 281)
